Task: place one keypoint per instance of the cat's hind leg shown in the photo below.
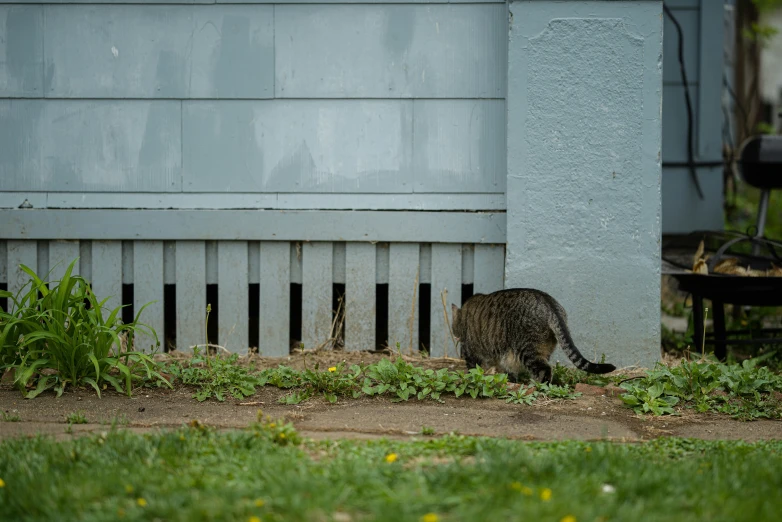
(540, 370)
(534, 359)
(511, 364)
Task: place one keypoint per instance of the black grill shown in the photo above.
(734, 268)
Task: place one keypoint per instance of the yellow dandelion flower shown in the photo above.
(430, 517)
(141, 502)
(545, 494)
(333, 369)
(254, 519)
(181, 437)
(568, 518)
(391, 457)
(282, 435)
(588, 449)
(128, 488)
(2, 483)
(259, 502)
(516, 485)
(526, 491)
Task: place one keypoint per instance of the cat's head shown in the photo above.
(457, 325)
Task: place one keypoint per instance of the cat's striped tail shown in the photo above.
(561, 332)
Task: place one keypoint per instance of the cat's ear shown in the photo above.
(454, 308)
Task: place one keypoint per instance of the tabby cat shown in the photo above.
(514, 329)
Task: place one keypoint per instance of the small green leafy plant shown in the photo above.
(529, 394)
(277, 431)
(401, 380)
(76, 417)
(58, 336)
(215, 376)
(10, 416)
(745, 391)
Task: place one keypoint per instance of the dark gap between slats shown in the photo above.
(212, 327)
(254, 311)
(381, 317)
(467, 292)
(169, 318)
(337, 294)
(424, 316)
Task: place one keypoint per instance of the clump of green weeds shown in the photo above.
(10, 416)
(59, 336)
(744, 391)
(76, 417)
(215, 376)
(529, 394)
(401, 380)
(276, 430)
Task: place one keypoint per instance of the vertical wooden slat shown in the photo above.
(211, 248)
(446, 279)
(489, 268)
(43, 260)
(360, 296)
(339, 267)
(233, 295)
(61, 254)
(274, 336)
(316, 290)
(85, 260)
(107, 273)
(468, 264)
(127, 263)
(3, 261)
(254, 262)
(403, 278)
(190, 294)
(169, 262)
(20, 253)
(148, 288)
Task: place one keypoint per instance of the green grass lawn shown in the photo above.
(265, 473)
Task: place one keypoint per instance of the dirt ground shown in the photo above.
(590, 417)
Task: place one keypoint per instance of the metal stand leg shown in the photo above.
(720, 344)
(697, 319)
(762, 211)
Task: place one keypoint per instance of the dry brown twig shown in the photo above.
(336, 328)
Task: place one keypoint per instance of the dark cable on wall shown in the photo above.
(690, 155)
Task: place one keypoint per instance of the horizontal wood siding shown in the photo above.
(443, 227)
(84, 145)
(21, 72)
(143, 51)
(406, 51)
(161, 107)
